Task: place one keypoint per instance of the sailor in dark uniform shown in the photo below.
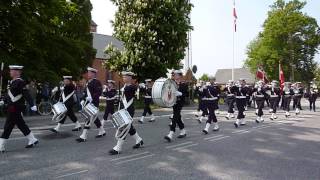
(109, 92)
(15, 102)
(202, 102)
(230, 89)
(287, 96)
(67, 97)
(212, 93)
(146, 90)
(274, 94)
(312, 94)
(260, 96)
(198, 90)
(298, 93)
(241, 93)
(181, 94)
(128, 94)
(92, 95)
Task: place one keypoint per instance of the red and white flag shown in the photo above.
(281, 76)
(261, 74)
(235, 17)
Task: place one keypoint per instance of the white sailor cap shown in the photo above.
(15, 67)
(92, 69)
(230, 81)
(177, 72)
(298, 82)
(148, 80)
(274, 81)
(67, 77)
(242, 79)
(127, 73)
(111, 81)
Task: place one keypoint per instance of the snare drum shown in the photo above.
(163, 92)
(121, 119)
(90, 112)
(59, 111)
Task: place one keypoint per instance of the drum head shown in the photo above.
(163, 92)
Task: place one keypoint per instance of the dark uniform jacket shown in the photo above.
(17, 87)
(95, 89)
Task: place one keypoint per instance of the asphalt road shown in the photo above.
(287, 148)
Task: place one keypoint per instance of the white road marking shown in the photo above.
(239, 131)
(217, 139)
(207, 138)
(183, 147)
(134, 159)
(126, 157)
(173, 146)
(70, 174)
(242, 132)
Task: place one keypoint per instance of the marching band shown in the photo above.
(171, 92)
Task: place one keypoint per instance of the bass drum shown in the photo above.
(164, 92)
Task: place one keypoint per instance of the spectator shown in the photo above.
(32, 88)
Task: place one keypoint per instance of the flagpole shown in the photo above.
(233, 34)
(279, 70)
(233, 56)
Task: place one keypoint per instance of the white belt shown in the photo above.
(241, 97)
(274, 96)
(110, 99)
(287, 95)
(297, 95)
(214, 98)
(230, 95)
(259, 95)
(147, 96)
(14, 98)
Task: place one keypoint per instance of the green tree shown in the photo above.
(204, 77)
(154, 35)
(289, 37)
(50, 38)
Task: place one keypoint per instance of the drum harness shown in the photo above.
(123, 133)
(64, 99)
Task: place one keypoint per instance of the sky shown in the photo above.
(212, 37)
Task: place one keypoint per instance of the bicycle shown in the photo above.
(45, 107)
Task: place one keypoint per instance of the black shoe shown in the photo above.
(32, 145)
(152, 120)
(227, 117)
(77, 129)
(236, 125)
(79, 140)
(271, 119)
(101, 135)
(167, 138)
(182, 136)
(205, 132)
(257, 121)
(199, 121)
(139, 145)
(114, 152)
(53, 130)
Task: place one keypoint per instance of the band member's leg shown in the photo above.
(145, 111)
(240, 117)
(260, 104)
(8, 126)
(32, 141)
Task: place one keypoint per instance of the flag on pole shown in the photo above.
(235, 17)
(261, 74)
(281, 76)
